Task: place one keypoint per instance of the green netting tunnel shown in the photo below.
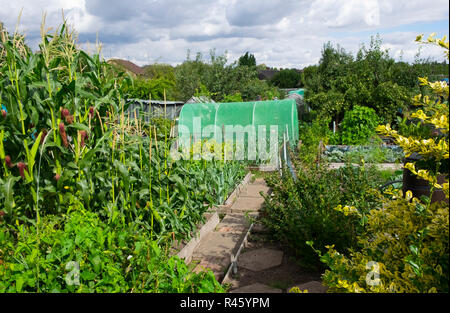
(211, 120)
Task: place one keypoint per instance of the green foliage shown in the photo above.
(247, 60)
(370, 154)
(327, 104)
(66, 144)
(162, 125)
(142, 88)
(371, 78)
(410, 244)
(311, 134)
(302, 210)
(404, 246)
(358, 125)
(237, 97)
(159, 70)
(288, 78)
(219, 79)
(110, 258)
(394, 100)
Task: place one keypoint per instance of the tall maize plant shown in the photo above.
(54, 97)
(66, 136)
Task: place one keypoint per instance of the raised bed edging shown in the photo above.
(187, 251)
(393, 166)
(237, 190)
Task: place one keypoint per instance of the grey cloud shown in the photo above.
(115, 10)
(259, 12)
(158, 13)
(107, 38)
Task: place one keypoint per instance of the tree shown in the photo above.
(247, 60)
(287, 79)
(219, 79)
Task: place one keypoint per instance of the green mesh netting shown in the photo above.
(213, 120)
(300, 92)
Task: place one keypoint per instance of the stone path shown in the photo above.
(216, 249)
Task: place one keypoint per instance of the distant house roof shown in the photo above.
(266, 74)
(129, 66)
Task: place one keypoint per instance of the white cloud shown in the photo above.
(345, 13)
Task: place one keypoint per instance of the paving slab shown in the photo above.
(246, 204)
(256, 288)
(260, 259)
(260, 181)
(217, 244)
(216, 264)
(233, 223)
(254, 190)
(312, 287)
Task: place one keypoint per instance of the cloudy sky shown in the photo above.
(280, 33)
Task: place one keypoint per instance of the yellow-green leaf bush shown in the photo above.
(405, 243)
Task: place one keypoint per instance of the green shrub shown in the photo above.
(163, 126)
(145, 88)
(236, 97)
(302, 210)
(310, 135)
(288, 78)
(358, 125)
(409, 244)
(404, 246)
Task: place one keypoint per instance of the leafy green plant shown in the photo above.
(370, 154)
(78, 252)
(371, 78)
(407, 238)
(237, 97)
(218, 78)
(302, 210)
(310, 135)
(146, 88)
(358, 125)
(288, 78)
(66, 140)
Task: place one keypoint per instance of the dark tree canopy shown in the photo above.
(247, 60)
(287, 79)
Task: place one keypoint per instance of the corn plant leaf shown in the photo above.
(32, 155)
(8, 192)
(124, 173)
(79, 126)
